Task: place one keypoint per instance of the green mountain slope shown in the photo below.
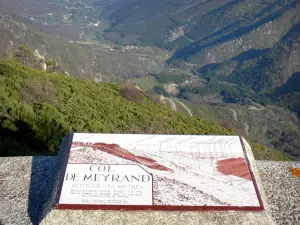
(275, 67)
(270, 76)
(38, 108)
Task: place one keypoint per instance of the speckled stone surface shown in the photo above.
(24, 183)
(282, 190)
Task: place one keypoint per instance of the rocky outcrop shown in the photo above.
(41, 60)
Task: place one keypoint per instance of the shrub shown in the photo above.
(131, 93)
(241, 132)
(26, 56)
(226, 124)
(155, 98)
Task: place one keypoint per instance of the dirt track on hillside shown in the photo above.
(173, 105)
(246, 126)
(184, 106)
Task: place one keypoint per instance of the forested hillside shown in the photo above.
(273, 68)
(38, 108)
(271, 77)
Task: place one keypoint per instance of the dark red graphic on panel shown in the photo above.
(116, 150)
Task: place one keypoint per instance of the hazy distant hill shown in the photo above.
(88, 59)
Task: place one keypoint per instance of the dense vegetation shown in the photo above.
(261, 152)
(267, 71)
(38, 108)
(164, 78)
(229, 92)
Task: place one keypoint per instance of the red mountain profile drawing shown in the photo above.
(116, 150)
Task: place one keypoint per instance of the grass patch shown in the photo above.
(262, 153)
(146, 83)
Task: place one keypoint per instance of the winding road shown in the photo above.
(173, 104)
(246, 126)
(257, 107)
(174, 107)
(234, 114)
(184, 106)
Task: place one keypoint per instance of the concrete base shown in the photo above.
(153, 218)
(24, 183)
